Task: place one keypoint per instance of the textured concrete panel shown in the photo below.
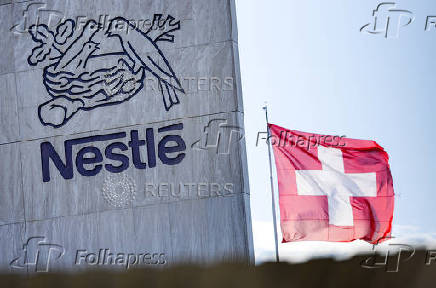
(6, 43)
(95, 241)
(66, 235)
(202, 21)
(12, 238)
(11, 194)
(29, 87)
(59, 197)
(152, 233)
(122, 144)
(207, 74)
(210, 229)
(9, 128)
(2, 2)
(163, 183)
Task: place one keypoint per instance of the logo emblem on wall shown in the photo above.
(119, 190)
(91, 66)
(37, 254)
(219, 135)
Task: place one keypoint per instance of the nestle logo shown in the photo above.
(89, 159)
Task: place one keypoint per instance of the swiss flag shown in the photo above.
(332, 188)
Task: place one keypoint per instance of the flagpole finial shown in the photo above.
(265, 105)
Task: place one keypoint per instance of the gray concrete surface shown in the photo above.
(196, 210)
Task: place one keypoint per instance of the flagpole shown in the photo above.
(272, 185)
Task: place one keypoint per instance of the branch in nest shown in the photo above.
(162, 28)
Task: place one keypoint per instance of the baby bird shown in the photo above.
(88, 50)
(78, 50)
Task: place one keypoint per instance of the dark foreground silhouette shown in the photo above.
(316, 273)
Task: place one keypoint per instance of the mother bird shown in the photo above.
(135, 42)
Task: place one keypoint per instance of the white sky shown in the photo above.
(320, 74)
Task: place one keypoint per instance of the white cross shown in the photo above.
(338, 186)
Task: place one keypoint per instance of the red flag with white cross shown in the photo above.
(332, 188)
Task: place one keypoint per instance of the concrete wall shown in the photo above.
(194, 210)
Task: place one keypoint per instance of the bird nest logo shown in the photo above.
(119, 190)
(89, 67)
